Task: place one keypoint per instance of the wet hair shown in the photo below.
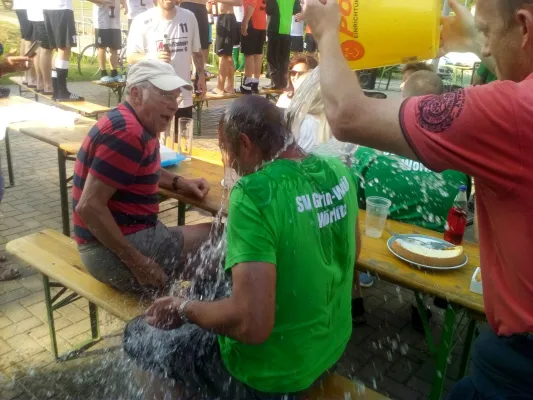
(510, 7)
(306, 59)
(422, 83)
(260, 120)
(419, 66)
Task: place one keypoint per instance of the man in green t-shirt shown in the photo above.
(291, 249)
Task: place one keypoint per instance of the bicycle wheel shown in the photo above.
(88, 61)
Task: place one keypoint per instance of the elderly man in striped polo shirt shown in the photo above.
(116, 179)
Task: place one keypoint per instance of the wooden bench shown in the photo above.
(337, 387)
(56, 257)
(84, 108)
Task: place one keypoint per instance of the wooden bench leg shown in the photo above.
(50, 315)
(63, 191)
(55, 303)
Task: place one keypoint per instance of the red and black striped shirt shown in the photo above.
(121, 153)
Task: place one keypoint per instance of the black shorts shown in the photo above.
(200, 12)
(39, 34)
(252, 44)
(61, 28)
(297, 44)
(26, 27)
(228, 34)
(310, 44)
(108, 38)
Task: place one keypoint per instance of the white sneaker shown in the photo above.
(120, 79)
(107, 79)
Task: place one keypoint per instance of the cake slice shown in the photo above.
(425, 255)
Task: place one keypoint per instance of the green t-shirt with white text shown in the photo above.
(419, 196)
(299, 216)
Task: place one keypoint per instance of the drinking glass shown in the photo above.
(185, 133)
(377, 209)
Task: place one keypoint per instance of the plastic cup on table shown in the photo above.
(377, 210)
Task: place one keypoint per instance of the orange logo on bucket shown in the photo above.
(352, 50)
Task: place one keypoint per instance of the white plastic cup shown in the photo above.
(185, 133)
(377, 210)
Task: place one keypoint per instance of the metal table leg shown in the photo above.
(469, 340)
(443, 352)
(50, 315)
(65, 215)
(199, 107)
(9, 160)
(181, 213)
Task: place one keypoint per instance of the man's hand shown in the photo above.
(299, 17)
(196, 187)
(323, 16)
(125, 7)
(201, 84)
(244, 29)
(458, 33)
(163, 56)
(149, 273)
(163, 314)
(15, 64)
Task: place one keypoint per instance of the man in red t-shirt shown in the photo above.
(484, 131)
(253, 31)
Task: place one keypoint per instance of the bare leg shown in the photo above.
(258, 65)
(38, 71)
(206, 55)
(102, 58)
(46, 69)
(31, 75)
(113, 58)
(63, 54)
(230, 87)
(221, 80)
(249, 66)
(156, 387)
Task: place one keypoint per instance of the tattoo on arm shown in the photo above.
(198, 60)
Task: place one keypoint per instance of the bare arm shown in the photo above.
(248, 11)
(476, 227)
(92, 209)
(247, 316)
(353, 117)
(198, 60)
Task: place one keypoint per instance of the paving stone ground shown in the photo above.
(385, 354)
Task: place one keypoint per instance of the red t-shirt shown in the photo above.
(121, 153)
(258, 19)
(488, 134)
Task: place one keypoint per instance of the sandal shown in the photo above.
(8, 274)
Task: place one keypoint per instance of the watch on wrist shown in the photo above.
(175, 182)
(181, 312)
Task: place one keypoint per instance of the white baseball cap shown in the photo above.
(158, 73)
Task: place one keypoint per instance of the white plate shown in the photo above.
(435, 242)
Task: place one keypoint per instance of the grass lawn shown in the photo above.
(10, 38)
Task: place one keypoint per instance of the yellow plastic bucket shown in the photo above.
(376, 33)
